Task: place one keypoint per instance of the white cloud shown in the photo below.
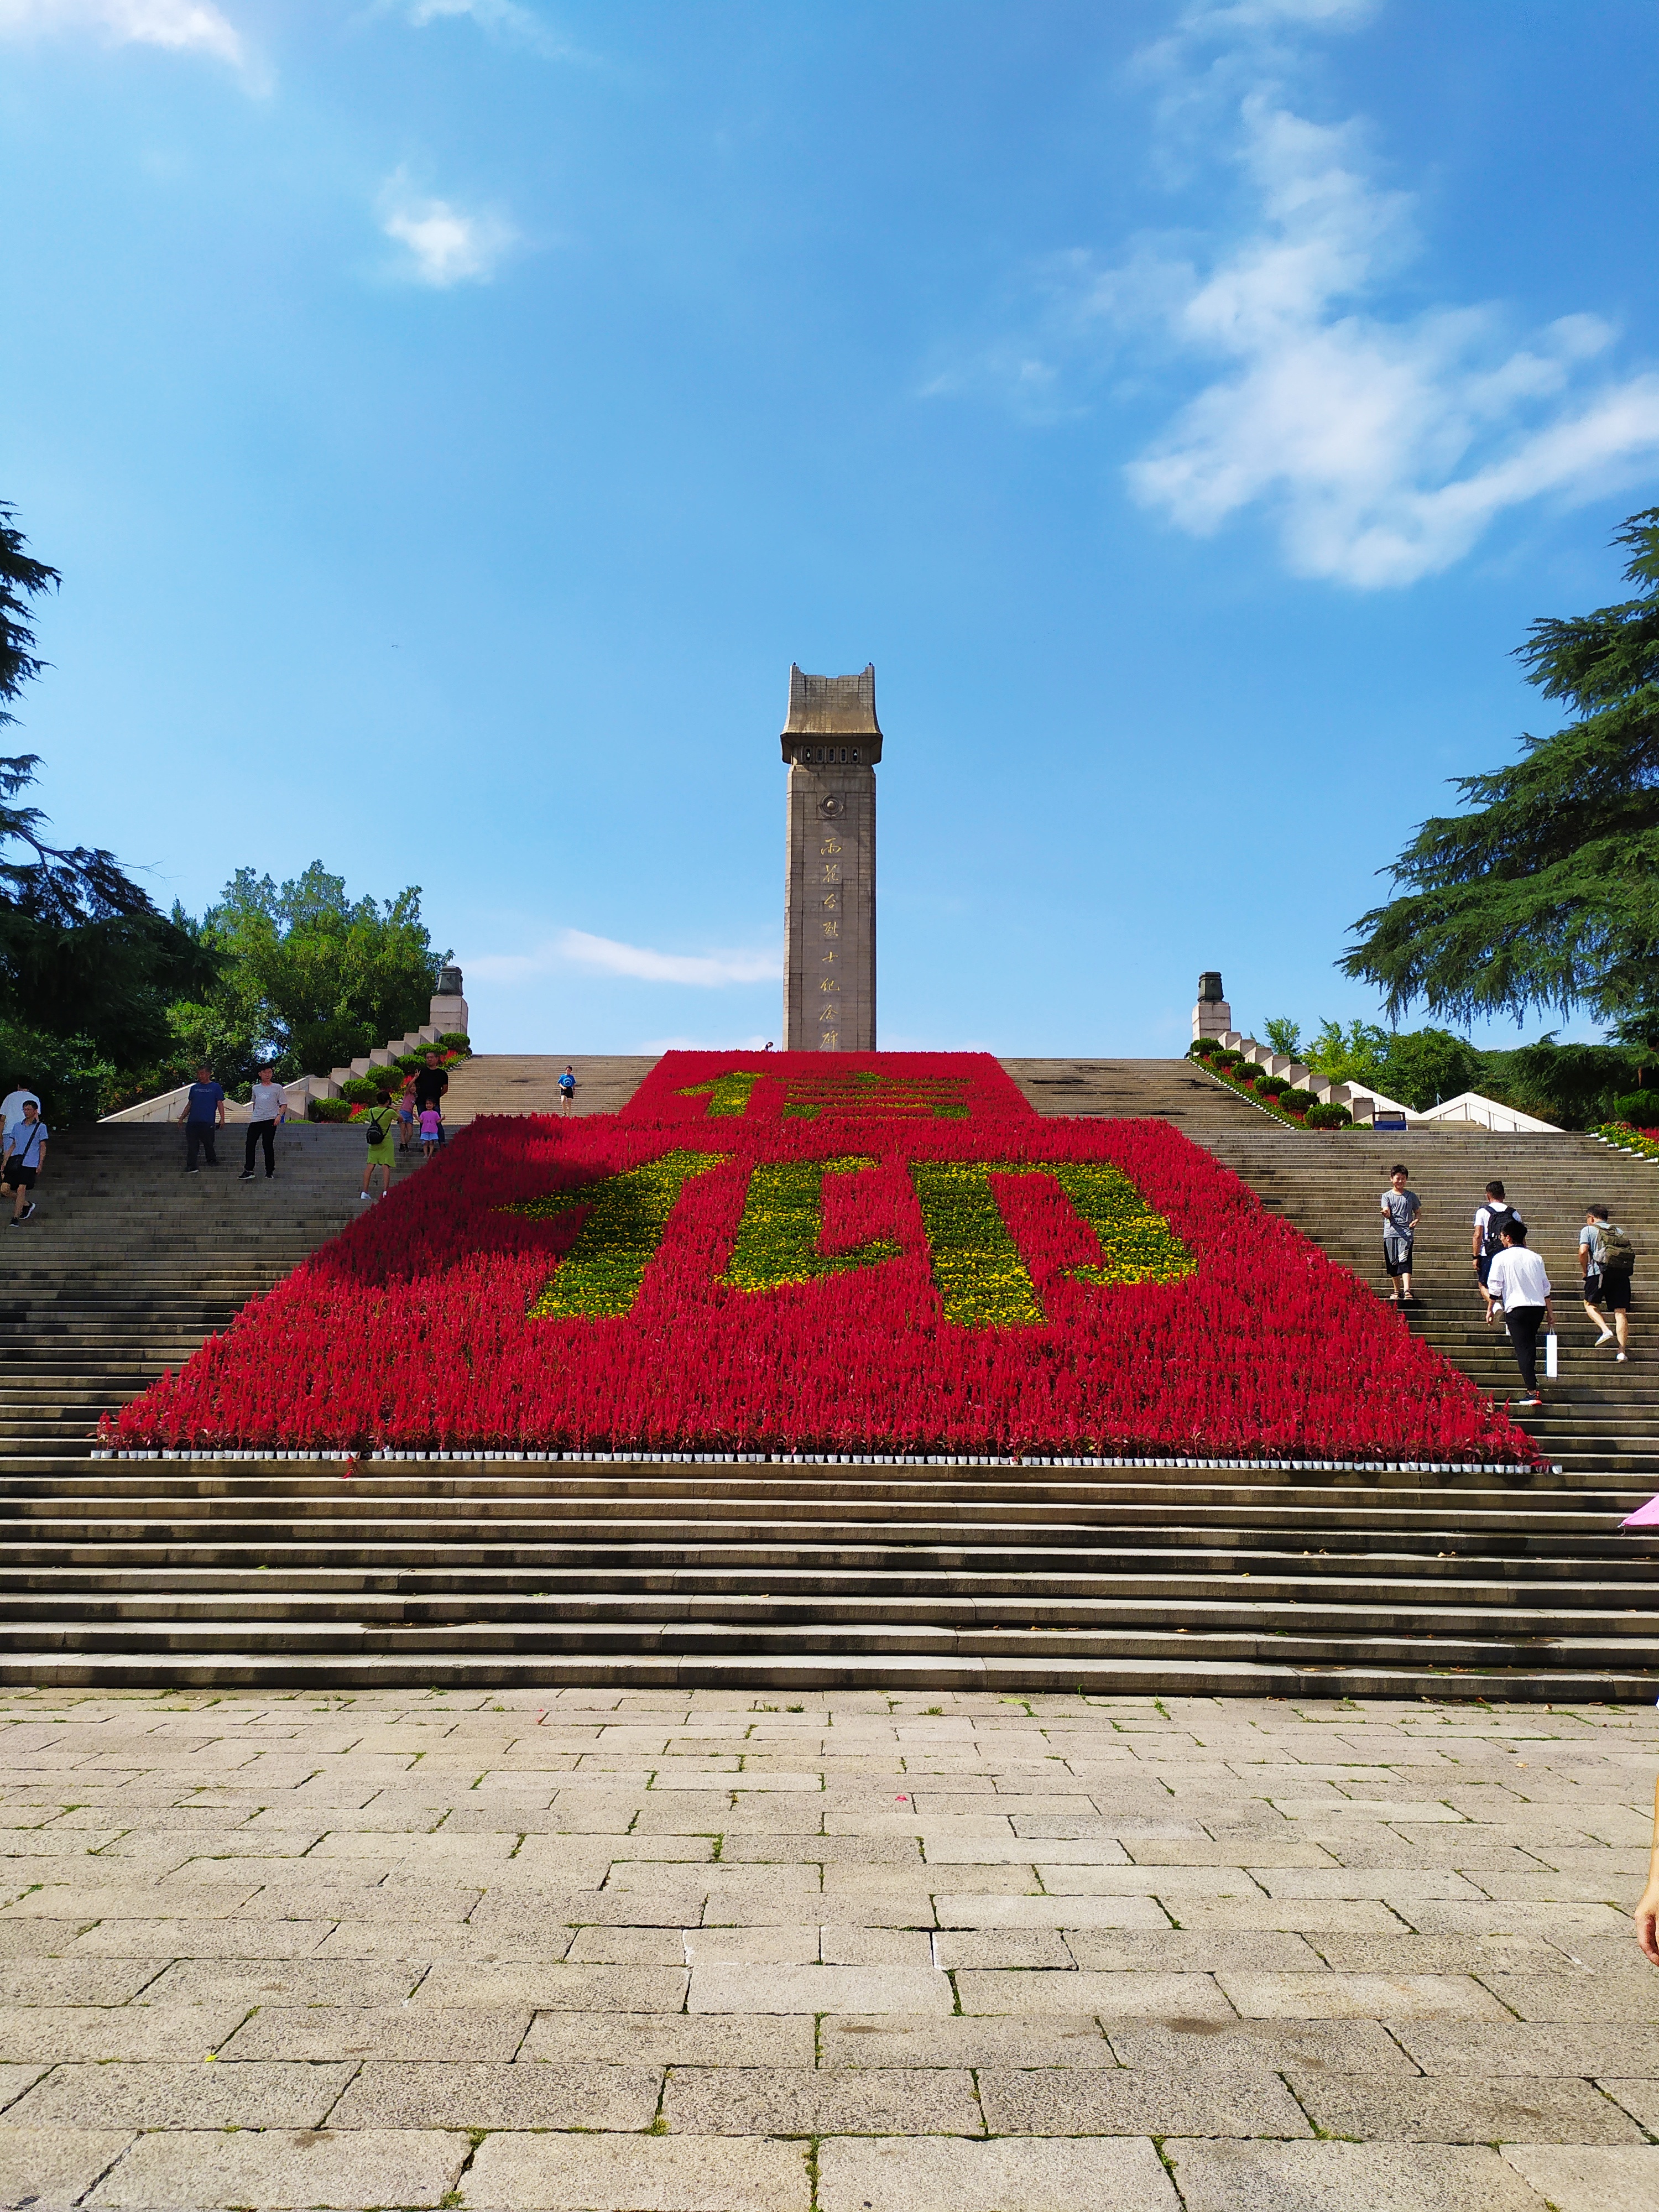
(446, 245)
(1379, 444)
(606, 955)
(1382, 447)
(505, 19)
(185, 26)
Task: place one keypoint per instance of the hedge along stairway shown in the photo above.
(307, 1573)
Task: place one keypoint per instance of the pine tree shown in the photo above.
(1546, 892)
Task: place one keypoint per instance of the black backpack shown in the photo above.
(1498, 1219)
(374, 1128)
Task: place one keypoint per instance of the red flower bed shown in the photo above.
(757, 1282)
(812, 1086)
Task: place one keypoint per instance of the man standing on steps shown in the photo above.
(205, 1112)
(1488, 1240)
(1607, 1259)
(567, 1091)
(430, 1084)
(1518, 1282)
(267, 1107)
(1401, 1210)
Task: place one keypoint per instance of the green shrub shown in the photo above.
(455, 1040)
(362, 1090)
(1639, 1108)
(1296, 1102)
(1270, 1086)
(1204, 1049)
(328, 1110)
(1324, 1117)
(1226, 1060)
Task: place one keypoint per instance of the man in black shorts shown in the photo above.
(1607, 1263)
(430, 1084)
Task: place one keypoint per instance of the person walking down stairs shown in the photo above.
(203, 1114)
(380, 1128)
(1488, 1240)
(567, 1091)
(1607, 1259)
(25, 1155)
(1518, 1284)
(268, 1109)
(1401, 1210)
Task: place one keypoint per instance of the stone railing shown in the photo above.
(448, 1017)
(1365, 1105)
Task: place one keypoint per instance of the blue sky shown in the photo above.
(451, 417)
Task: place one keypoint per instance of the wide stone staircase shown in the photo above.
(495, 1570)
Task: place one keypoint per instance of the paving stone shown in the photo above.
(1375, 1996)
(1339, 2177)
(75, 1981)
(97, 2032)
(16, 2079)
(1202, 1951)
(809, 1988)
(495, 2094)
(1639, 2097)
(1632, 1995)
(1591, 2180)
(790, 2101)
(556, 1988)
(1342, 2047)
(49, 2169)
(662, 2173)
(1492, 2108)
(1133, 2102)
(1029, 2174)
(1542, 2047)
(955, 1909)
(669, 2039)
(1117, 1997)
(282, 2172)
(1022, 1948)
(382, 2031)
(892, 2039)
(293, 1981)
(626, 1947)
(158, 2093)
(201, 1939)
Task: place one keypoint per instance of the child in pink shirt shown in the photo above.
(432, 1123)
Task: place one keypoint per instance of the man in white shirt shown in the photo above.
(1517, 1280)
(11, 1106)
(269, 1109)
(25, 1150)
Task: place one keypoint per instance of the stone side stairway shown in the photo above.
(480, 1573)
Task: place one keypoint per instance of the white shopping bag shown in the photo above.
(1552, 1363)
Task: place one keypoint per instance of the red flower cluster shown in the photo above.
(892, 1277)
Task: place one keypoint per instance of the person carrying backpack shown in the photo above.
(25, 1149)
(1490, 1222)
(1607, 1259)
(380, 1126)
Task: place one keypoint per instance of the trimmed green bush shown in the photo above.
(362, 1090)
(1296, 1102)
(455, 1040)
(1639, 1108)
(1270, 1086)
(328, 1110)
(1203, 1048)
(1326, 1116)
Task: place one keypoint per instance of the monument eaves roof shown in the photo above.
(832, 706)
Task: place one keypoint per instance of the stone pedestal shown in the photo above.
(1211, 1017)
(448, 1010)
(831, 742)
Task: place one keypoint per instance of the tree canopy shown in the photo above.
(1544, 891)
(308, 978)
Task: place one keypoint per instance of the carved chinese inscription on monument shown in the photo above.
(831, 742)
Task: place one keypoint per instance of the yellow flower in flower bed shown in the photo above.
(777, 1240)
(600, 1275)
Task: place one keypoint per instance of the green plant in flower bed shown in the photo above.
(1271, 1087)
(1325, 1115)
(456, 1041)
(363, 1090)
(1296, 1102)
(328, 1110)
(1644, 1143)
(600, 1275)
(782, 1227)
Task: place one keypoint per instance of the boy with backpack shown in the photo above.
(1607, 1259)
(1490, 1222)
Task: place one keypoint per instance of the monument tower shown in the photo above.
(832, 742)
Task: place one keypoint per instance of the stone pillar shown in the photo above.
(449, 1005)
(831, 742)
(1211, 1017)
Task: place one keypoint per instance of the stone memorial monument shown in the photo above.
(1212, 1016)
(832, 742)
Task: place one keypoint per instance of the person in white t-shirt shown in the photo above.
(1517, 1282)
(268, 1110)
(11, 1106)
